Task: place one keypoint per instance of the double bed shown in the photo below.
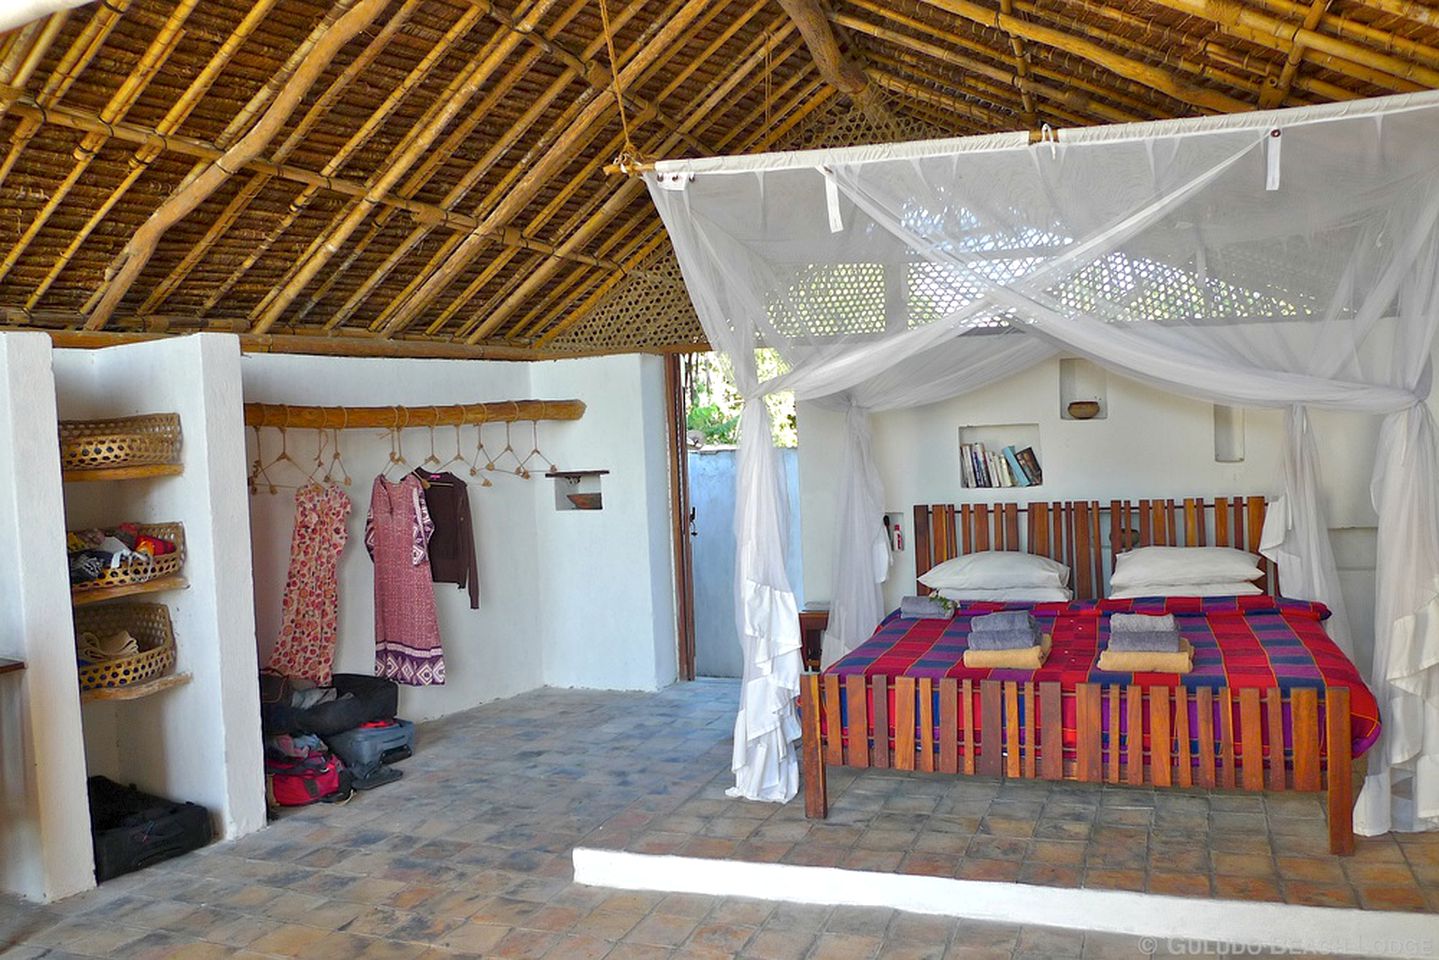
(1271, 703)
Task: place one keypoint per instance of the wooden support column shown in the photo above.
(147, 238)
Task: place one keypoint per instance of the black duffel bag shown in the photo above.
(132, 829)
(361, 699)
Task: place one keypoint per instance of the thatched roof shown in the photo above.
(427, 176)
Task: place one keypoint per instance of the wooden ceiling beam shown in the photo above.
(27, 48)
(161, 46)
(626, 192)
(1357, 60)
(1362, 32)
(811, 18)
(1417, 12)
(960, 108)
(914, 67)
(72, 63)
(141, 159)
(580, 132)
(1275, 92)
(324, 43)
(1117, 63)
(1118, 92)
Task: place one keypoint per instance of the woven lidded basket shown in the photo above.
(132, 573)
(126, 442)
(148, 623)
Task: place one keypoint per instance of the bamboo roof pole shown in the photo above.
(472, 177)
(75, 59)
(1274, 94)
(1265, 30)
(807, 101)
(1364, 33)
(960, 108)
(28, 49)
(1075, 99)
(1021, 69)
(442, 104)
(143, 157)
(466, 84)
(811, 17)
(1136, 70)
(137, 79)
(1417, 12)
(624, 195)
(1116, 92)
(178, 205)
(575, 137)
(915, 67)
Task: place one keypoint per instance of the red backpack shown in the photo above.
(296, 782)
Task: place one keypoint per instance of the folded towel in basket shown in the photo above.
(924, 608)
(1116, 661)
(1136, 641)
(1028, 658)
(1003, 620)
(1142, 623)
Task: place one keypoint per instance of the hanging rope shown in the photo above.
(629, 157)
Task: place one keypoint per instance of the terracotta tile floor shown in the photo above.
(469, 854)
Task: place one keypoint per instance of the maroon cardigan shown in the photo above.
(452, 546)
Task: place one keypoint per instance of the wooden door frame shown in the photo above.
(682, 544)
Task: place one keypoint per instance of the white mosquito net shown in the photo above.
(1284, 259)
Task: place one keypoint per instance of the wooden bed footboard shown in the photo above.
(1022, 735)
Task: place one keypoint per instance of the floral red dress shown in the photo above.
(306, 645)
(407, 629)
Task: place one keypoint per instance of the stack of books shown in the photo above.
(1009, 467)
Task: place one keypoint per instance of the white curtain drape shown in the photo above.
(1285, 259)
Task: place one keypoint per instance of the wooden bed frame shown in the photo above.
(1012, 747)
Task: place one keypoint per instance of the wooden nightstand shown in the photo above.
(812, 624)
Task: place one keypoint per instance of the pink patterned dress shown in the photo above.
(407, 631)
(306, 645)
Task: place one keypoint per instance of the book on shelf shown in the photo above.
(1029, 463)
(966, 465)
(1011, 463)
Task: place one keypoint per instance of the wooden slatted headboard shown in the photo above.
(1086, 534)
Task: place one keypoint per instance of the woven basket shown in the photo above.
(148, 623)
(133, 573)
(126, 442)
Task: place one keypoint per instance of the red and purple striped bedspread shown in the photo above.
(1261, 642)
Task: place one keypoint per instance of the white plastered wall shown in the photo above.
(44, 840)
(1151, 444)
(568, 598)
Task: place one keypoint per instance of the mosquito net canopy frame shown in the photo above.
(1283, 259)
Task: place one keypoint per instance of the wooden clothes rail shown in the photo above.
(341, 418)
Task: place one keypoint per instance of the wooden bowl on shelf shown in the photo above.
(1084, 409)
(585, 501)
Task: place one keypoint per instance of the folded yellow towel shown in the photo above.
(1126, 661)
(1025, 658)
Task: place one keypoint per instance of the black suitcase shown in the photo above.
(370, 698)
(132, 830)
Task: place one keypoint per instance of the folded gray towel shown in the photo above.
(1144, 641)
(1004, 620)
(924, 608)
(1015, 639)
(1142, 623)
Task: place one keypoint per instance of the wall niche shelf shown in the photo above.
(1082, 382)
(1228, 434)
(135, 691)
(995, 437)
(82, 598)
(578, 489)
(122, 473)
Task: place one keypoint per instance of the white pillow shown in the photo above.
(1238, 588)
(1034, 594)
(996, 569)
(1177, 565)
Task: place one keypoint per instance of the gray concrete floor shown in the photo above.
(469, 856)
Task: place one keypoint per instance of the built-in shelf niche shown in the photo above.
(1228, 434)
(578, 489)
(995, 437)
(1081, 381)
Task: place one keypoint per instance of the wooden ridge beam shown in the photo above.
(811, 18)
(547, 165)
(324, 44)
(1117, 63)
(1275, 92)
(1254, 26)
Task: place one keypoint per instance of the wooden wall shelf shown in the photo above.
(575, 474)
(81, 598)
(11, 666)
(122, 473)
(135, 691)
